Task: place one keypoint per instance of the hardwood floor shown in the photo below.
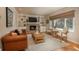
(70, 47)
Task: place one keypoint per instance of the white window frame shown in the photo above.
(70, 30)
(55, 24)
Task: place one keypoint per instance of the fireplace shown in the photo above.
(33, 27)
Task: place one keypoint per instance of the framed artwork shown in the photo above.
(9, 17)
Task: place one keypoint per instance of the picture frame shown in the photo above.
(9, 17)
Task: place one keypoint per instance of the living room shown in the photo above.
(48, 22)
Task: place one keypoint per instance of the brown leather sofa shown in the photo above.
(14, 43)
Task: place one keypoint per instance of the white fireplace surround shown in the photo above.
(28, 26)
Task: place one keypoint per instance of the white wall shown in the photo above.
(73, 36)
(21, 16)
(3, 29)
(40, 18)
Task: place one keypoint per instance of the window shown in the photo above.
(64, 22)
(69, 23)
(59, 23)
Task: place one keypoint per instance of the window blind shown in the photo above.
(63, 15)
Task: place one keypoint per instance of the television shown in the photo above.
(32, 19)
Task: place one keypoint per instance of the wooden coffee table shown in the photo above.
(38, 38)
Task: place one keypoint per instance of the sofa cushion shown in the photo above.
(16, 31)
(13, 34)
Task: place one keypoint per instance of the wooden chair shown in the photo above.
(64, 34)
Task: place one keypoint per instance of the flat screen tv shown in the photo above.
(32, 19)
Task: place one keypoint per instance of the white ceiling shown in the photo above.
(37, 10)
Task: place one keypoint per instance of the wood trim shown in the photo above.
(63, 15)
